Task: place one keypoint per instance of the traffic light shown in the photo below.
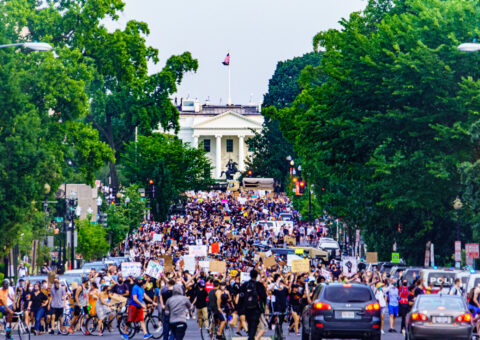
(294, 179)
(301, 186)
(250, 173)
(151, 188)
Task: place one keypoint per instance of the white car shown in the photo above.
(328, 244)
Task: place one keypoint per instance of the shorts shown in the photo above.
(135, 314)
(393, 310)
(262, 324)
(77, 310)
(382, 310)
(58, 312)
(475, 310)
(219, 316)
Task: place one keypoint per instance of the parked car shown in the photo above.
(439, 317)
(342, 310)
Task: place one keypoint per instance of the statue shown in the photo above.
(231, 170)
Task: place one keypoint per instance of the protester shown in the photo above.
(176, 308)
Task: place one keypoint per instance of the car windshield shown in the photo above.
(347, 293)
(440, 303)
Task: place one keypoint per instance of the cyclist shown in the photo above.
(200, 303)
(7, 296)
(135, 309)
(214, 306)
(80, 297)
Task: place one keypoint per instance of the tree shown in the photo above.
(173, 166)
(123, 95)
(42, 100)
(389, 132)
(92, 240)
(270, 147)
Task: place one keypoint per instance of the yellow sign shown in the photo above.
(300, 266)
(299, 251)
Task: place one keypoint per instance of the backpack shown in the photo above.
(251, 296)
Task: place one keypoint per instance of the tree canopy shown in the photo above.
(387, 122)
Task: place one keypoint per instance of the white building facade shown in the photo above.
(222, 131)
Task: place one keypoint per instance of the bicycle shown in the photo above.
(211, 330)
(63, 325)
(92, 322)
(19, 325)
(276, 320)
(152, 322)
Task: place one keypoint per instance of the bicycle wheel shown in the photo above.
(122, 325)
(23, 331)
(92, 325)
(155, 327)
(212, 327)
(83, 324)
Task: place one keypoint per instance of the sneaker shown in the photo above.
(383, 332)
(70, 330)
(51, 332)
(125, 336)
(239, 333)
(147, 336)
(394, 330)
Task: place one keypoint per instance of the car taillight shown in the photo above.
(464, 318)
(419, 317)
(322, 306)
(372, 307)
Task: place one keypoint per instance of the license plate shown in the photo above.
(441, 319)
(348, 315)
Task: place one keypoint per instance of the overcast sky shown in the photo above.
(258, 34)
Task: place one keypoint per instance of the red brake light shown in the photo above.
(322, 306)
(419, 317)
(464, 318)
(372, 307)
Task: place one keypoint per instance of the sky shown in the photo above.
(257, 33)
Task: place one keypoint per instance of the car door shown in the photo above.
(307, 311)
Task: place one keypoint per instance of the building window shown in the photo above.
(229, 145)
(206, 145)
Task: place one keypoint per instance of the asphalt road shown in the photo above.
(192, 334)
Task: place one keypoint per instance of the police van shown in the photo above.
(437, 277)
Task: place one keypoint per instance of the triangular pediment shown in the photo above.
(228, 120)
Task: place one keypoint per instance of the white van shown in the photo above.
(473, 282)
(464, 277)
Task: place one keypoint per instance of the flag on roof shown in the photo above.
(226, 62)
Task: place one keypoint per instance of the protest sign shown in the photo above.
(157, 237)
(349, 266)
(197, 250)
(180, 221)
(290, 240)
(154, 269)
(168, 260)
(326, 274)
(204, 266)
(291, 257)
(299, 251)
(189, 263)
(218, 266)
(215, 248)
(131, 269)
(372, 257)
(244, 277)
(233, 272)
(270, 262)
(300, 266)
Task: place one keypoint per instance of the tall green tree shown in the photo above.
(390, 131)
(173, 166)
(123, 95)
(270, 147)
(42, 103)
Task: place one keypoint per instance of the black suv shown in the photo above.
(342, 311)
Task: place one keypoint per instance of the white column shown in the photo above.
(241, 153)
(195, 141)
(218, 156)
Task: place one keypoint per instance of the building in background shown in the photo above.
(221, 130)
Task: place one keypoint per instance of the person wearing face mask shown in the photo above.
(200, 303)
(18, 294)
(56, 303)
(25, 301)
(7, 294)
(80, 302)
(380, 296)
(37, 304)
(121, 288)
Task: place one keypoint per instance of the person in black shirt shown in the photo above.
(165, 294)
(200, 302)
(253, 309)
(37, 304)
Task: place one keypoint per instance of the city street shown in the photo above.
(194, 334)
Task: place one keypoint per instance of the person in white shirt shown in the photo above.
(380, 296)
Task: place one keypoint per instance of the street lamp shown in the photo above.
(34, 46)
(469, 47)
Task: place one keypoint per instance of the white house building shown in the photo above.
(220, 130)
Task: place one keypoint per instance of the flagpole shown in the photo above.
(229, 83)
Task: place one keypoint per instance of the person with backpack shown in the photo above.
(214, 307)
(403, 306)
(456, 289)
(253, 299)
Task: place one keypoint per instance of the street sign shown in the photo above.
(59, 219)
(395, 258)
(472, 250)
(458, 251)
